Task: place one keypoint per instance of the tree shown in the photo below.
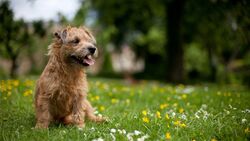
(218, 27)
(14, 35)
(174, 46)
(133, 23)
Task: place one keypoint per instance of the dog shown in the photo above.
(61, 91)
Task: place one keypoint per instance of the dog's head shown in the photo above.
(78, 46)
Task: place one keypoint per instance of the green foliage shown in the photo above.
(154, 40)
(81, 14)
(14, 36)
(196, 60)
(39, 28)
(126, 16)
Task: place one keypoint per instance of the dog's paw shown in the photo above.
(41, 126)
(80, 126)
(103, 119)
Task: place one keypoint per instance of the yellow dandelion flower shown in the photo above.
(184, 96)
(167, 116)
(247, 130)
(213, 139)
(168, 136)
(127, 101)
(162, 90)
(144, 112)
(15, 83)
(97, 97)
(92, 99)
(102, 108)
(27, 92)
(158, 114)
(9, 93)
(183, 125)
(113, 100)
(181, 110)
(28, 83)
(163, 106)
(177, 123)
(9, 87)
(145, 119)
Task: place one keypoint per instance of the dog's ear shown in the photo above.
(64, 34)
(61, 35)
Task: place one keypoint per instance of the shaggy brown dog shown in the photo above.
(61, 91)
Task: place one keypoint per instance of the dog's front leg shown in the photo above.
(78, 114)
(90, 112)
(43, 117)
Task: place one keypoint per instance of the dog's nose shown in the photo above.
(92, 50)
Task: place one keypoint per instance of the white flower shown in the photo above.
(80, 129)
(124, 131)
(113, 137)
(173, 114)
(113, 130)
(143, 137)
(196, 114)
(183, 116)
(99, 139)
(63, 132)
(188, 90)
(137, 132)
(129, 136)
(246, 111)
(204, 106)
(206, 89)
(93, 129)
(228, 112)
(120, 131)
(243, 120)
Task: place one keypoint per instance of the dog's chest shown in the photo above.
(63, 101)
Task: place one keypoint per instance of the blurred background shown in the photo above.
(177, 41)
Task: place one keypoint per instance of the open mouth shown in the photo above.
(85, 61)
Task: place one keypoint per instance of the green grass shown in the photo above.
(199, 112)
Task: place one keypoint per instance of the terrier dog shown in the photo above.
(61, 91)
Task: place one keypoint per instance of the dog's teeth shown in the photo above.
(89, 56)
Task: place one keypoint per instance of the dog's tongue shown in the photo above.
(88, 60)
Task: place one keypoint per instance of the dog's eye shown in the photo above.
(75, 41)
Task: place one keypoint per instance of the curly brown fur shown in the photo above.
(61, 91)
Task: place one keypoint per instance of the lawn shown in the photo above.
(149, 110)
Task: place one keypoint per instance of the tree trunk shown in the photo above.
(14, 66)
(174, 47)
(212, 63)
